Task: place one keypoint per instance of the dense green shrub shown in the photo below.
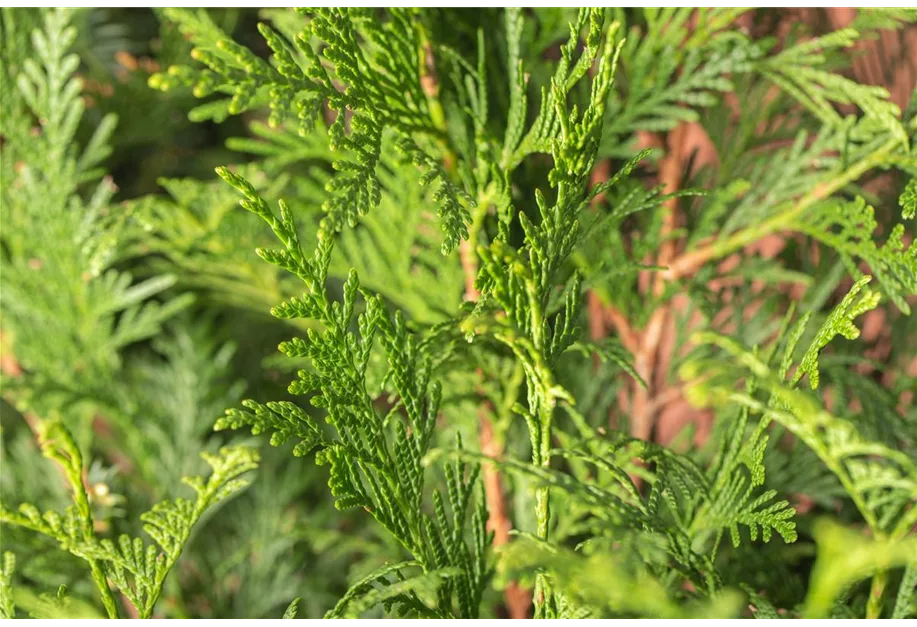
(557, 295)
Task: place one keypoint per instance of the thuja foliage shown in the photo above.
(496, 276)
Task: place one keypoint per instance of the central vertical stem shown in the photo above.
(544, 595)
(541, 456)
(876, 591)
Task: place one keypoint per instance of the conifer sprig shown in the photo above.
(375, 460)
(134, 567)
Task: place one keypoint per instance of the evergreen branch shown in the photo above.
(848, 228)
(365, 584)
(7, 607)
(692, 260)
(865, 468)
(908, 200)
(904, 603)
(58, 445)
(371, 466)
(138, 570)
